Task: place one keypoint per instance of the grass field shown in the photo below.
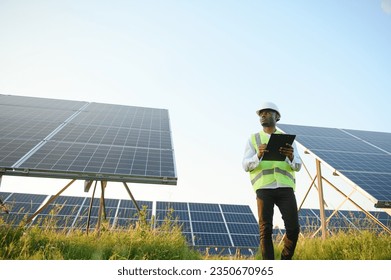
(142, 242)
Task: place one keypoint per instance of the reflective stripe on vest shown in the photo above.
(271, 171)
(268, 172)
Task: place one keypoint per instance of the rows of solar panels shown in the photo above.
(364, 157)
(72, 139)
(218, 228)
(204, 225)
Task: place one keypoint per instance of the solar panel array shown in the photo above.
(362, 156)
(216, 228)
(73, 139)
(342, 220)
(222, 227)
(67, 212)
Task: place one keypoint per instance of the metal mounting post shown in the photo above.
(49, 201)
(131, 196)
(90, 208)
(102, 207)
(321, 199)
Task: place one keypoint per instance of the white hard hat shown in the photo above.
(271, 106)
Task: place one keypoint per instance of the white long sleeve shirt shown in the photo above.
(251, 161)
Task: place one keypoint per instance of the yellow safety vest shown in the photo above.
(267, 171)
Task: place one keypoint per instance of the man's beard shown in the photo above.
(267, 123)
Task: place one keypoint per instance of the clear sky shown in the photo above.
(211, 64)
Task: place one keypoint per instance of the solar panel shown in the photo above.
(224, 227)
(342, 220)
(72, 139)
(364, 157)
(20, 206)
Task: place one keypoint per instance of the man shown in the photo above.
(274, 184)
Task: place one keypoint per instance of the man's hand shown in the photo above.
(287, 151)
(262, 150)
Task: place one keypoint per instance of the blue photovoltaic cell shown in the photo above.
(183, 225)
(355, 163)
(209, 227)
(67, 210)
(321, 132)
(175, 215)
(228, 208)
(206, 216)
(342, 145)
(379, 139)
(110, 212)
(69, 200)
(364, 157)
(130, 204)
(11, 150)
(23, 208)
(243, 228)
(127, 213)
(181, 206)
(251, 241)
(25, 102)
(5, 195)
(205, 239)
(108, 202)
(239, 218)
(378, 185)
(204, 207)
(26, 198)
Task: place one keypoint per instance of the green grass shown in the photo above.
(142, 241)
(136, 242)
(352, 245)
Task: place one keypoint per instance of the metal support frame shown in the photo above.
(131, 196)
(369, 215)
(322, 203)
(49, 201)
(90, 208)
(309, 189)
(102, 205)
(321, 199)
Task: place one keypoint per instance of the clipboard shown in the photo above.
(275, 142)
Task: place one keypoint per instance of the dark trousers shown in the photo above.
(285, 200)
